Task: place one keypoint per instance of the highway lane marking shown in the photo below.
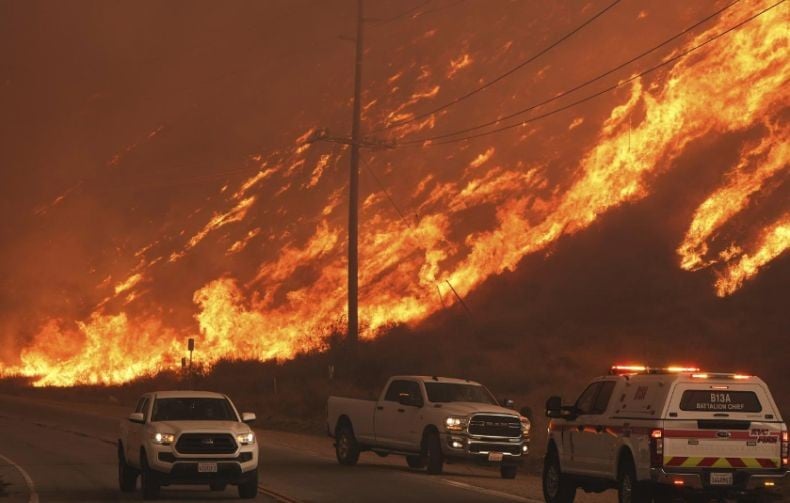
(31, 487)
(277, 496)
(489, 492)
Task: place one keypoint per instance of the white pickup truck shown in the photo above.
(656, 434)
(429, 420)
(187, 437)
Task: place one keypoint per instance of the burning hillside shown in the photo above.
(198, 227)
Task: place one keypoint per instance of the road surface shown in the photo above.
(53, 451)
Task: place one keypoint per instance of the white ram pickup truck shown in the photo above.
(430, 420)
(187, 437)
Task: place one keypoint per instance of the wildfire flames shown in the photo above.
(417, 263)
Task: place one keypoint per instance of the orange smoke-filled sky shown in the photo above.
(156, 184)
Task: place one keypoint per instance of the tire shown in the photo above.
(249, 490)
(218, 486)
(127, 476)
(629, 489)
(415, 462)
(149, 481)
(346, 446)
(433, 453)
(557, 487)
(508, 471)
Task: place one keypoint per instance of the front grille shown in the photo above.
(481, 447)
(495, 426)
(206, 443)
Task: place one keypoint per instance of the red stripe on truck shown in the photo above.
(677, 461)
(736, 462)
(767, 463)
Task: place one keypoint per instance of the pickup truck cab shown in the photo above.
(187, 437)
(430, 420)
(656, 434)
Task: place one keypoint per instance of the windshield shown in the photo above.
(443, 392)
(193, 409)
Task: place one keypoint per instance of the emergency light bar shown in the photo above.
(720, 375)
(624, 370)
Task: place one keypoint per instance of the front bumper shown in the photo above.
(173, 467)
(744, 480)
(479, 449)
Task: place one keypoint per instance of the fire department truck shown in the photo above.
(654, 434)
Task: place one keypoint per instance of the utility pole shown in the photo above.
(353, 190)
(356, 141)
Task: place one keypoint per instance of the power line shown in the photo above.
(406, 222)
(490, 83)
(575, 88)
(604, 91)
(380, 22)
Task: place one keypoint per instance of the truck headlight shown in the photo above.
(525, 427)
(164, 438)
(245, 438)
(456, 423)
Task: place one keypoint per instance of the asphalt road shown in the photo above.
(66, 452)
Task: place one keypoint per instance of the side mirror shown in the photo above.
(248, 417)
(137, 417)
(508, 403)
(526, 412)
(554, 407)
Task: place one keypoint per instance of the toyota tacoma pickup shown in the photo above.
(656, 434)
(187, 437)
(430, 420)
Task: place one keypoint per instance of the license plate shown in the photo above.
(495, 456)
(721, 479)
(207, 467)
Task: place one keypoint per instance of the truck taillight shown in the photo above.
(657, 448)
(785, 449)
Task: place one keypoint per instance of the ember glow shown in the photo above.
(248, 256)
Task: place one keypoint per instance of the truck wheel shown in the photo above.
(629, 489)
(346, 446)
(127, 476)
(557, 487)
(149, 482)
(433, 450)
(415, 462)
(249, 489)
(508, 471)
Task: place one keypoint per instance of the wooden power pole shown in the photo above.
(353, 190)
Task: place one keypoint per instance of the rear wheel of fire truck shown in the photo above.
(557, 487)
(629, 489)
(415, 462)
(346, 446)
(432, 447)
(508, 471)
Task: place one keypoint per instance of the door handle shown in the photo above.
(401, 410)
(379, 407)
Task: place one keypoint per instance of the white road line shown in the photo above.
(490, 492)
(31, 487)
(277, 496)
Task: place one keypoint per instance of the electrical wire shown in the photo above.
(500, 77)
(577, 87)
(601, 92)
